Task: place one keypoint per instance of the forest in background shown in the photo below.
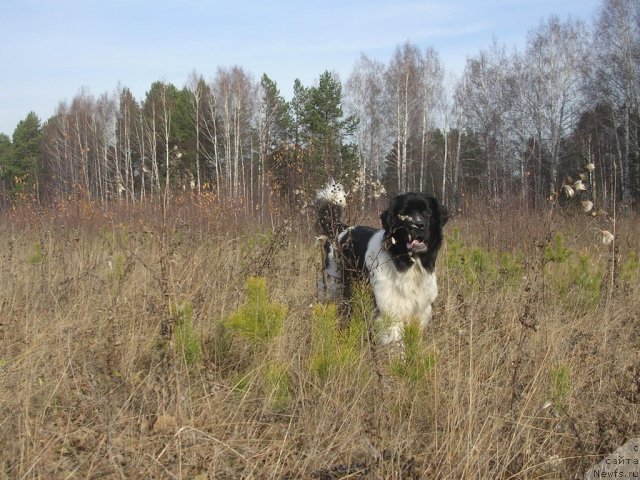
(515, 125)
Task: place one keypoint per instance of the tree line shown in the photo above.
(515, 124)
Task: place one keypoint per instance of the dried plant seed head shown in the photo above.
(607, 237)
(583, 176)
(578, 186)
(590, 167)
(568, 190)
(587, 206)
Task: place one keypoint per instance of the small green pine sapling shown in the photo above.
(416, 362)
(259, 320)
(187, 339)
(560, 386)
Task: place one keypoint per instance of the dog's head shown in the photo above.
(413, 228)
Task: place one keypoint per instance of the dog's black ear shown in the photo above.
(385, 218)
(444, 215)
(438, 209)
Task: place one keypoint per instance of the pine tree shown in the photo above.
(6, 159)
(326, 130)
(22, 167)
(275, 130)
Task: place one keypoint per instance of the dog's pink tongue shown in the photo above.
(413, 243)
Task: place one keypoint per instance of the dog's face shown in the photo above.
(413, 228)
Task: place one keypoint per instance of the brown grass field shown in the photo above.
(120, 358)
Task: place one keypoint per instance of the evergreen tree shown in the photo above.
(6, 159)
(22, 167)
(277, 117)
(298, 106)
(327, 130)
(276, 154)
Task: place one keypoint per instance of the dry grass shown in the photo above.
(536, 375)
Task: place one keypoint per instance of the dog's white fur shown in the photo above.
(401, 297)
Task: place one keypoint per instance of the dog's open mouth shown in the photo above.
(416, 245)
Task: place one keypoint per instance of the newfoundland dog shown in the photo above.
(398, 260)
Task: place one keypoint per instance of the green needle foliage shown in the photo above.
(417, 361)
(326, 356)
(479, 267)
(276, 386)
(557, 252)
(37, 257)
(259, 320)
(187, 339)
(335, 349)
(588, 279)
(560, 386)
(630, 267)
(117, 268)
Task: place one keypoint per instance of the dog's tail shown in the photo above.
(330, 203)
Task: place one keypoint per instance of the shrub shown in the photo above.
(186, 337)
(37, 257)
(587, 279)
(480, 267)
(557, 252)
(334, 348)
(417, 361)
(117, 268)
(259, 320)
(630, 267)
(276, 386)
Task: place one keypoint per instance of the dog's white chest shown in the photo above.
(403, 296)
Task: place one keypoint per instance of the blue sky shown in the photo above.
(49, 49)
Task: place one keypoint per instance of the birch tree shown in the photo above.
(616, 41)
(197, 87)
(556, 56)
(364, 100)
(485, 95)
(402, 107)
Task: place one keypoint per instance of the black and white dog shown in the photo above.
(398, 260)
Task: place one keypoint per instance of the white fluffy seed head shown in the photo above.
(607, 237)
(568, 191)
(578, 186)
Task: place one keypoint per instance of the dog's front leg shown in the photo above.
(425, 318)
(389, 330)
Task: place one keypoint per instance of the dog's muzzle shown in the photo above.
(417, 245)
(416, 237)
